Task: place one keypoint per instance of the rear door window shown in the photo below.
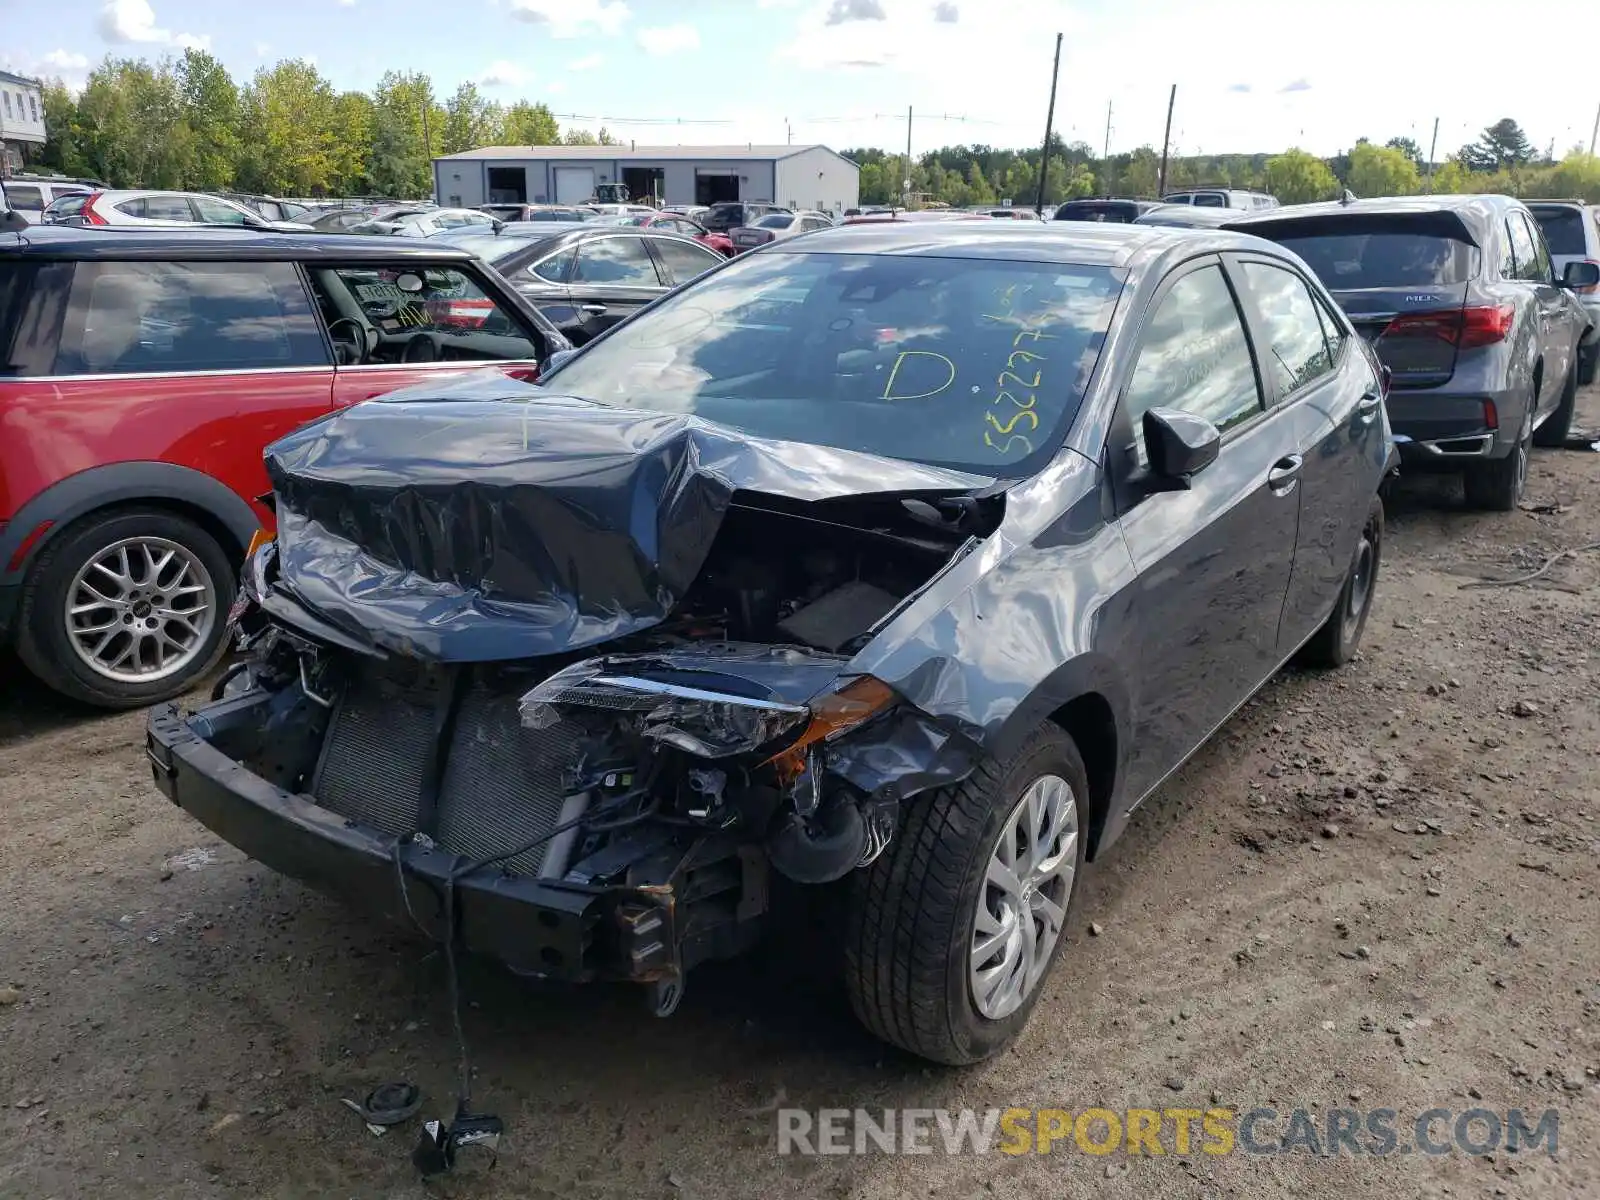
(139, 317)
(1522, 247)
(33, 301)
(1296, 352)
(1563, 228)
(615, 262)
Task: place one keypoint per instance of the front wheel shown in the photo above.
(126, 608)
(952, 933)
(1337, 641)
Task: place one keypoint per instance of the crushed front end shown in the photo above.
(604, 811)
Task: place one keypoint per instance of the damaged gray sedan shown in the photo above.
(905, 560)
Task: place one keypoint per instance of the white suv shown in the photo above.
(171, 210)
(1572, 231)
(31, 195)
(1222, 198)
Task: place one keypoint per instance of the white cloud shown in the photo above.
(502, 73)
(572, 18)
(555, 88)
(669, 39)
(587, 63)
(135, 21)
(262, 49)
(347, 3)
(66, 60)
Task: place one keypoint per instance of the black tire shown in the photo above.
(910, 916)
(44, 643)
(1337, 641)
(1497, 485)
(1554, 430)
(1588, 360)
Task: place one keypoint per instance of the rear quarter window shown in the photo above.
(141, 317)
(33, 301)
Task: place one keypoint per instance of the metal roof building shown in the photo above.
(797, 176)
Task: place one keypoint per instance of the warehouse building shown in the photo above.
(796, 176)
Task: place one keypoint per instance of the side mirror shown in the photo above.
(11, 221)
(556, 359)
(1581, 274)
(1178, 444)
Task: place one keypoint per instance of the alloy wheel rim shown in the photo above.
(140, 610)
(1026, 889)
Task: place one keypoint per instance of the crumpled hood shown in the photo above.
(483, 518)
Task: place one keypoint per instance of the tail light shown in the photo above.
(91, 215)
(1466, 328)
(1491, 417)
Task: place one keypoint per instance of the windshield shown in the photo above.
(1563, 228)
(976, 364)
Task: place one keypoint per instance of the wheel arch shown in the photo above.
(1088, 699)
(183, 491)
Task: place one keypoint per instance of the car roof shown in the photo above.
(223, 243)
(1085, 243)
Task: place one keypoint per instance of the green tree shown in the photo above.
(1296, 177)
(1407, 147)
(978, 189)
(411, 127)
(1142, 175)
(133, 131)
(1576, 175)
(1382, 171)
(354, 115)
(580, 137)
(1451, 178)
(466, 119)
(1501, 146)
(211, 110)
(526, 124)
(290, 123)
(63, 131)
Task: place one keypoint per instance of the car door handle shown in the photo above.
(594, 310)
(1367, 407)
(1281, 479)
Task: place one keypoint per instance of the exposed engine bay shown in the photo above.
(690, 758)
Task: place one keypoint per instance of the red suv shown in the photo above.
(141, 375)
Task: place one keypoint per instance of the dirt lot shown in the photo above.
(1375, 889)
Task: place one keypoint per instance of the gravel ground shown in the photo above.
(1376, 888)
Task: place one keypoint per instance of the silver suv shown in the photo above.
(1572, 230)
(1222, 198)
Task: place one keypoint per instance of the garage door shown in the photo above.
(574, 185)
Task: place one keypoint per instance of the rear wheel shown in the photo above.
(1337, 641)
(1497, 485)
(1554, 431)
(126, 608)
(953, 931)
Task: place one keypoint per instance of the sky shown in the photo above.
(1251, 75)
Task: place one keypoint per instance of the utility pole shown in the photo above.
(905, 186)
(1595, 136)
(1049, 119)
(1432, 147)
(1105, 153)
(1166, 141)
(427, 146)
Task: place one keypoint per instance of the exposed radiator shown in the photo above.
(503, 784)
